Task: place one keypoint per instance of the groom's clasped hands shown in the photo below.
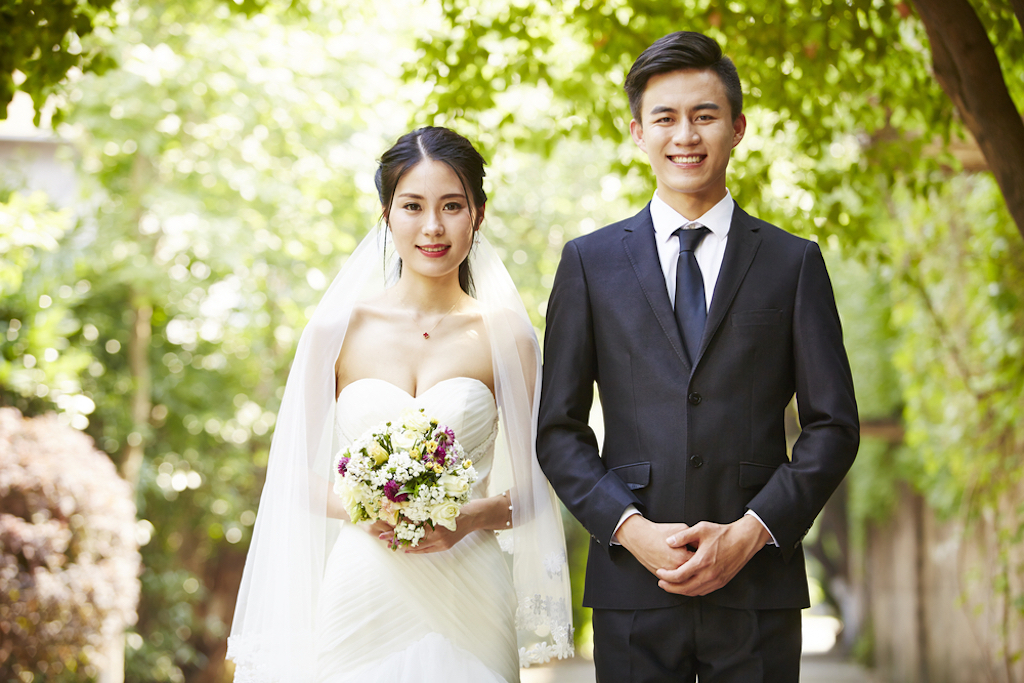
(692, 560)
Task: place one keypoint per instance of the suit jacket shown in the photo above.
(701, 443)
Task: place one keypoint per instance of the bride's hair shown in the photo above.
(437, 144)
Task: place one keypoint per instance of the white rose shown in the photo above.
(445, 514)
(404, 440)
(415, 419)
(453, 486)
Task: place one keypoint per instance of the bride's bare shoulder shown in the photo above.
(370, 311)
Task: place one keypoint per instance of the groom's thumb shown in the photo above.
(682, 538)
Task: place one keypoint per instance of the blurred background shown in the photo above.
(180, 181)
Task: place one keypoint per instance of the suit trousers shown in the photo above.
(697, 640)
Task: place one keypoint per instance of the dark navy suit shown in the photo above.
(701, 443)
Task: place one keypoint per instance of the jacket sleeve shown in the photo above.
(827, 408)
(566, 445)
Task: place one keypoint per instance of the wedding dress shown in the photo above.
(318, 604)
(448, 616)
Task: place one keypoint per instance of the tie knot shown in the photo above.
(690, 237)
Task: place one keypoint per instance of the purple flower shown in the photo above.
(391, 491)
(343, 465)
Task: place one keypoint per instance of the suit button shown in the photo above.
(694, 398)
(696, 460)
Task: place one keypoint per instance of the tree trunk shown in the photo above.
(968, 70)
(142, 381)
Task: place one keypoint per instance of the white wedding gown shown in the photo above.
(445, 617)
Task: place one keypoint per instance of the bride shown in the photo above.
(422, 315)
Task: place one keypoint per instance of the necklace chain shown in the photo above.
(426, 335)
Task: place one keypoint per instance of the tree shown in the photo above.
(227, 161)
(42, 42)
(967, 67)
(849, 81)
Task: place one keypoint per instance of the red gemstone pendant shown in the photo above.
(426, 335)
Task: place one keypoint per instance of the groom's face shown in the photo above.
(688, 133)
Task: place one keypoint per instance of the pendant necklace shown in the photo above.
(426, 335)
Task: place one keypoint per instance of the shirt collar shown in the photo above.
(717, 219)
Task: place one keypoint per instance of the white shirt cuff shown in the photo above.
(629, 512)
(755, 516)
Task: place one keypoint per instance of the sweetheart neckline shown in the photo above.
(421, 394)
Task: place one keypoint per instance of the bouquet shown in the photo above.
(410, 474)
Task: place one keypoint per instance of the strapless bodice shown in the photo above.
(463, 403)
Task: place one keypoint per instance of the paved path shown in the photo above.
(814, 669)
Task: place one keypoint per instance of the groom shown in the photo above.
(698, 322)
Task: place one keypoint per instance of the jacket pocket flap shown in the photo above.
(754, 475)
(765, 316)
(635, 476)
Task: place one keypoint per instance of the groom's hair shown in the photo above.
(682, 50)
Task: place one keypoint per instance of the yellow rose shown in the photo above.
(377, 452)
(444, 514)
(349, 500)
(431, 446)
(466, 464)
(437, 468)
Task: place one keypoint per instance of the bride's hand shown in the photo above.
(481, 513)
(381, 529)
(440, 538)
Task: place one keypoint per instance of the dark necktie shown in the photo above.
(691, 307)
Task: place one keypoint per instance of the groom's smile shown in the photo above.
(688, 134)
(688, 160)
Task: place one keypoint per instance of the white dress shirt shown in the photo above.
(709, 254)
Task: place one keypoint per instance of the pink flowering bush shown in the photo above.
(69, 561)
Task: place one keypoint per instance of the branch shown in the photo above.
(967, 68)
(889, 430)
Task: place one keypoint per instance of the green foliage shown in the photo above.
(864, 299)
(227, 164)
(222, 162)
(959, 268)
(42, 40)
(534, 75)
(846, 86)
(39, 367)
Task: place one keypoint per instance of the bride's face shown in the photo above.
(432, 220)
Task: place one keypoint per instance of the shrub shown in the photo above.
(69, 561)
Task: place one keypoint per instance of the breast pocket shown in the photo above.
(763, 316)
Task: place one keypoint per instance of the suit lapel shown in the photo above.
(739, 254)
(642, 252)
